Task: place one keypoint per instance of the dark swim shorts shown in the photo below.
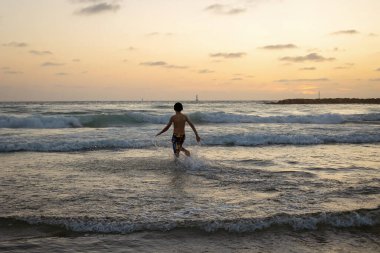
(177, 141)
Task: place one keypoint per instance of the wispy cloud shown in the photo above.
(336, 49)
(12, 72)
(314, 50)
(205, 71)
(98, 8)
(154, 63)
(162, 64)
(9, 71)
(372, 35)
(15, 44)
(229, 55)
(222, 9)
(278, 47)
(345, 32)
(313, 57)
(303, 80)
(176, 67)
(155, 34)
(377, 69)
(307, 68)
(131, 49)
(76, 60)
(61, 74)
(40, 53)
(375, 80)
(51, 64)
(347, 65)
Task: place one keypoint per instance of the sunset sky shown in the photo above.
(175, 49)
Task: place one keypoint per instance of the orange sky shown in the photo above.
(172, 50)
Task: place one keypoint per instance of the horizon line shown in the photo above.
(184, 100)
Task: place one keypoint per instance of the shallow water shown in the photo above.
(255, 184)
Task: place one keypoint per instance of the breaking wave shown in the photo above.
(119, 120)
(309, 221)
(78, 142)
(328, 118)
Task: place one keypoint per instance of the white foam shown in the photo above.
(287, 139)
(109, 120)
(78, 142)
(70, 145)
(39, 121)
(192, 163)
(297, 222)
(328, 118)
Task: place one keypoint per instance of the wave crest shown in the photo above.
(124, 119)
(38, 121)
(311, 221)
(78, 143)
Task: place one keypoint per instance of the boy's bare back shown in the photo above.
(179, 121)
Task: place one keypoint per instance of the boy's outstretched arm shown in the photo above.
(166, 127)
(195, 130)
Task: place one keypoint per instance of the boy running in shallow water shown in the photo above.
(179, 120)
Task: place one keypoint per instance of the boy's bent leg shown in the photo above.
(187, 152)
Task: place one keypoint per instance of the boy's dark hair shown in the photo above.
(178, 107)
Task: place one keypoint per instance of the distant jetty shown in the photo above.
(329, 101)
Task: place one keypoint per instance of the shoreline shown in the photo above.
(324, 240)
(328, 101)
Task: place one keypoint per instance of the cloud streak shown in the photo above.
(154, 63)
(40, 53)
(162, 64)
(9, 71)
(156, 34)
(98, 8)
(61, 74)
(228, 55)
(302, 80)
(175, 67)
(205, 71)
(52, 64)
(313, 57)
(345, 32)
(341, 67)
(221, 9)
(278, 47)
(15, 44)
(12, 72)
(308, 68)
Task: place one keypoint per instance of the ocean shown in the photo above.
(92, 177)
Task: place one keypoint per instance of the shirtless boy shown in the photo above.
(179, 120)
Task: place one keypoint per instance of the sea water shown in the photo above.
(92, 176)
